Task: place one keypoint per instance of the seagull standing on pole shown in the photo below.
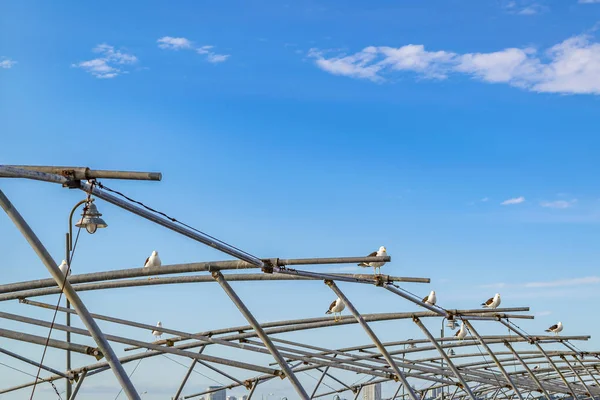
(556, 328)
(430, 299)
(157, 334)
(376, 265)
(336, 307)
(152, 261)
(462, 332)
(64, 267)
(492, 302)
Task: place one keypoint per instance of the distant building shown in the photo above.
(372, 392)
(218, 395)
(231, 398)
(244, 397)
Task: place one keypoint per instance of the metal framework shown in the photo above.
(514, 365)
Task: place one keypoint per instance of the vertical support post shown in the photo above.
(187, 374)
(451, 365)
(78, 386)
(218, 276)
(556, 370)
(589, 392)
(374, 338)
(494, 358)
(529, 371)
(68, 316)
(321, 379)
(73, 297)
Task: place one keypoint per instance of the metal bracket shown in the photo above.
(269, 264)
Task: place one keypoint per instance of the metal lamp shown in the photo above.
(91, 218)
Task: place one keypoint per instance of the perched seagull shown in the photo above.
(158, 334)
(492, 302)
(462, 332)
(376, 265)
(64, 267)
(336, 308)
(536, 368)
(431, 299)
(556, 328)
(152, 261)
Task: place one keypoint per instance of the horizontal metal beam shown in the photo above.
(85, 173)
(57, 344)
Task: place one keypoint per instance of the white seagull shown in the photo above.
(64, 267)
(152, 261)
(430, 299)
(492, 302)
(462, 332)
(376, 265)
(556, 328)
(158, 334)
(336, 308)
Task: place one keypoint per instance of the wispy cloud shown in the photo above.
(542, 313)
(515, 200)
(7, 63)
(560, 204)
(485, 199)
(589, 280)
(173, 43)
(110, 63)
(589, 1)
(181, 43)
(572, 66)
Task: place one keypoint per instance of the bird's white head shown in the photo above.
(497, 296)
(559, 324)
(432, 293)
(155, 253)
(159, 324)
(382, 249)
(64, 261)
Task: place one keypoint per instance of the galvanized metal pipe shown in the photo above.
(261, 334)
(35, 363)
(320, 380)
(187, 375)
(373, 337)
(494, 358)
(78, 385)
(39, 340)
(445, 357)
(556, 369)
(413, 299)
(85, 173)
(589, 393)
(70, 294)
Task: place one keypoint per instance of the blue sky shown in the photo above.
(460, 134)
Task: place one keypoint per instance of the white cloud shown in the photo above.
(542, 313)
(7, 63)
(589, 1)
(109, 64)
(173, 43)
(531, 10)
(571, 67)
(565, 282)
(558, 203)
(515, 200)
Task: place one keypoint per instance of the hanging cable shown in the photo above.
(62, 287)
(199, 373)
(101, 186)
(130, 375)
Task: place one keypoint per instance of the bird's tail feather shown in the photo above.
(547, 330)
(327, 312)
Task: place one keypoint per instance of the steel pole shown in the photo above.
(589, 392)
(261, 334)
(321, 379)
(72, 296)
(78, 386)
(494, 358)
(445, 357)
(556, 369)
(374, 338)
(187, 374)
(28, 361)
(529, 371)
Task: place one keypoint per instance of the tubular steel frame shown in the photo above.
(465, 373)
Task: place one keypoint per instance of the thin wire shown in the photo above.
(132, 372)
(306, 372)
(33, 376)
(101, 186)
(199, 373)
(56, 309)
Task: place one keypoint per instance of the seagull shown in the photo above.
(556, 328)
(152, 261)
(431, 299)
(376, 265)
(158, 334)
(336, 308)
(492, 302)
(536, 368)
(462, 332)
(64, 267)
